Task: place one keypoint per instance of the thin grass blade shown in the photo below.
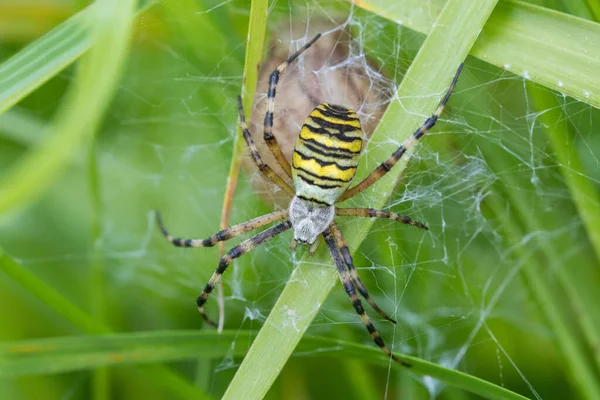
(58, 355)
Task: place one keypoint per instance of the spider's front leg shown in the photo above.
(387, 165)
(268, 126)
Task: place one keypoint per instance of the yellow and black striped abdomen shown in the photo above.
(326, 154)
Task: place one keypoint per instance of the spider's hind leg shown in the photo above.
(347, 257)
(351, 291)
(238, 251)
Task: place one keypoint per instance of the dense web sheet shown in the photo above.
(457, 290)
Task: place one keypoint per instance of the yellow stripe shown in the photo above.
(330, 171)
(342, 162)
(331, 142)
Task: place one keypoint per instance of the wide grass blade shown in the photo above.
(58, 355)
(82, 109)
(44, 58)
(87, 323)
(576, 360)
(539, 44)
(257, 27)
(445, 48)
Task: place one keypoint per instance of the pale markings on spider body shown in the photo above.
(324, 163)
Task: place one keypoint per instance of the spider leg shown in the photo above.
(237, 251)
(351, 291)
(225, 234)
(345, 252)
(263, 168)
(387, 165)
(273, 80)
(373, 213)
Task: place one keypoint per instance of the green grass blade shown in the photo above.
(44, 58)
(254, 47)
(594, 7)
(87, 323)
(21, 127)
(579, 282)
(82, 109)
(566, 338)
(448, 44)
(539, 44)
(49, 296)
(97, 281)
(57, 355)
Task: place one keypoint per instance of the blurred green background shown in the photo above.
(490, 182)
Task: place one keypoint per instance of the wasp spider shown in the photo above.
(323, 164)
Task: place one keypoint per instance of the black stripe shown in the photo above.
(324, 148)
(399, 152)
(310, 199)
(323, 163)
(371, 328)
(332, 114)
(311, 182)
(335, 107)
(339, 136)
(343, 128)
(358, 306)
(268, 119)
(338, 153)
(274, 78)
(325, 178)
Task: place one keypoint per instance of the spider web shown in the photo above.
(457, 291)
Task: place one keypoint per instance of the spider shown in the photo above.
(323, 164)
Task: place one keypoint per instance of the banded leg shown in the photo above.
(373, 213)
(345, 251)
(262, 167)
(237, 251)
(225, 234)
(387, 165)
(273, 80)
(351, 291)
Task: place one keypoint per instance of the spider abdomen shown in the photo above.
(326, 154)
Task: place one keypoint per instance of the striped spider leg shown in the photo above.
(264, 168)
(387, 165)
(237, 251)
(373, 213)
(345, 252)
(273, 80)
(349, 287)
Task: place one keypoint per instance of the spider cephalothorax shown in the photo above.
(323, 164)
